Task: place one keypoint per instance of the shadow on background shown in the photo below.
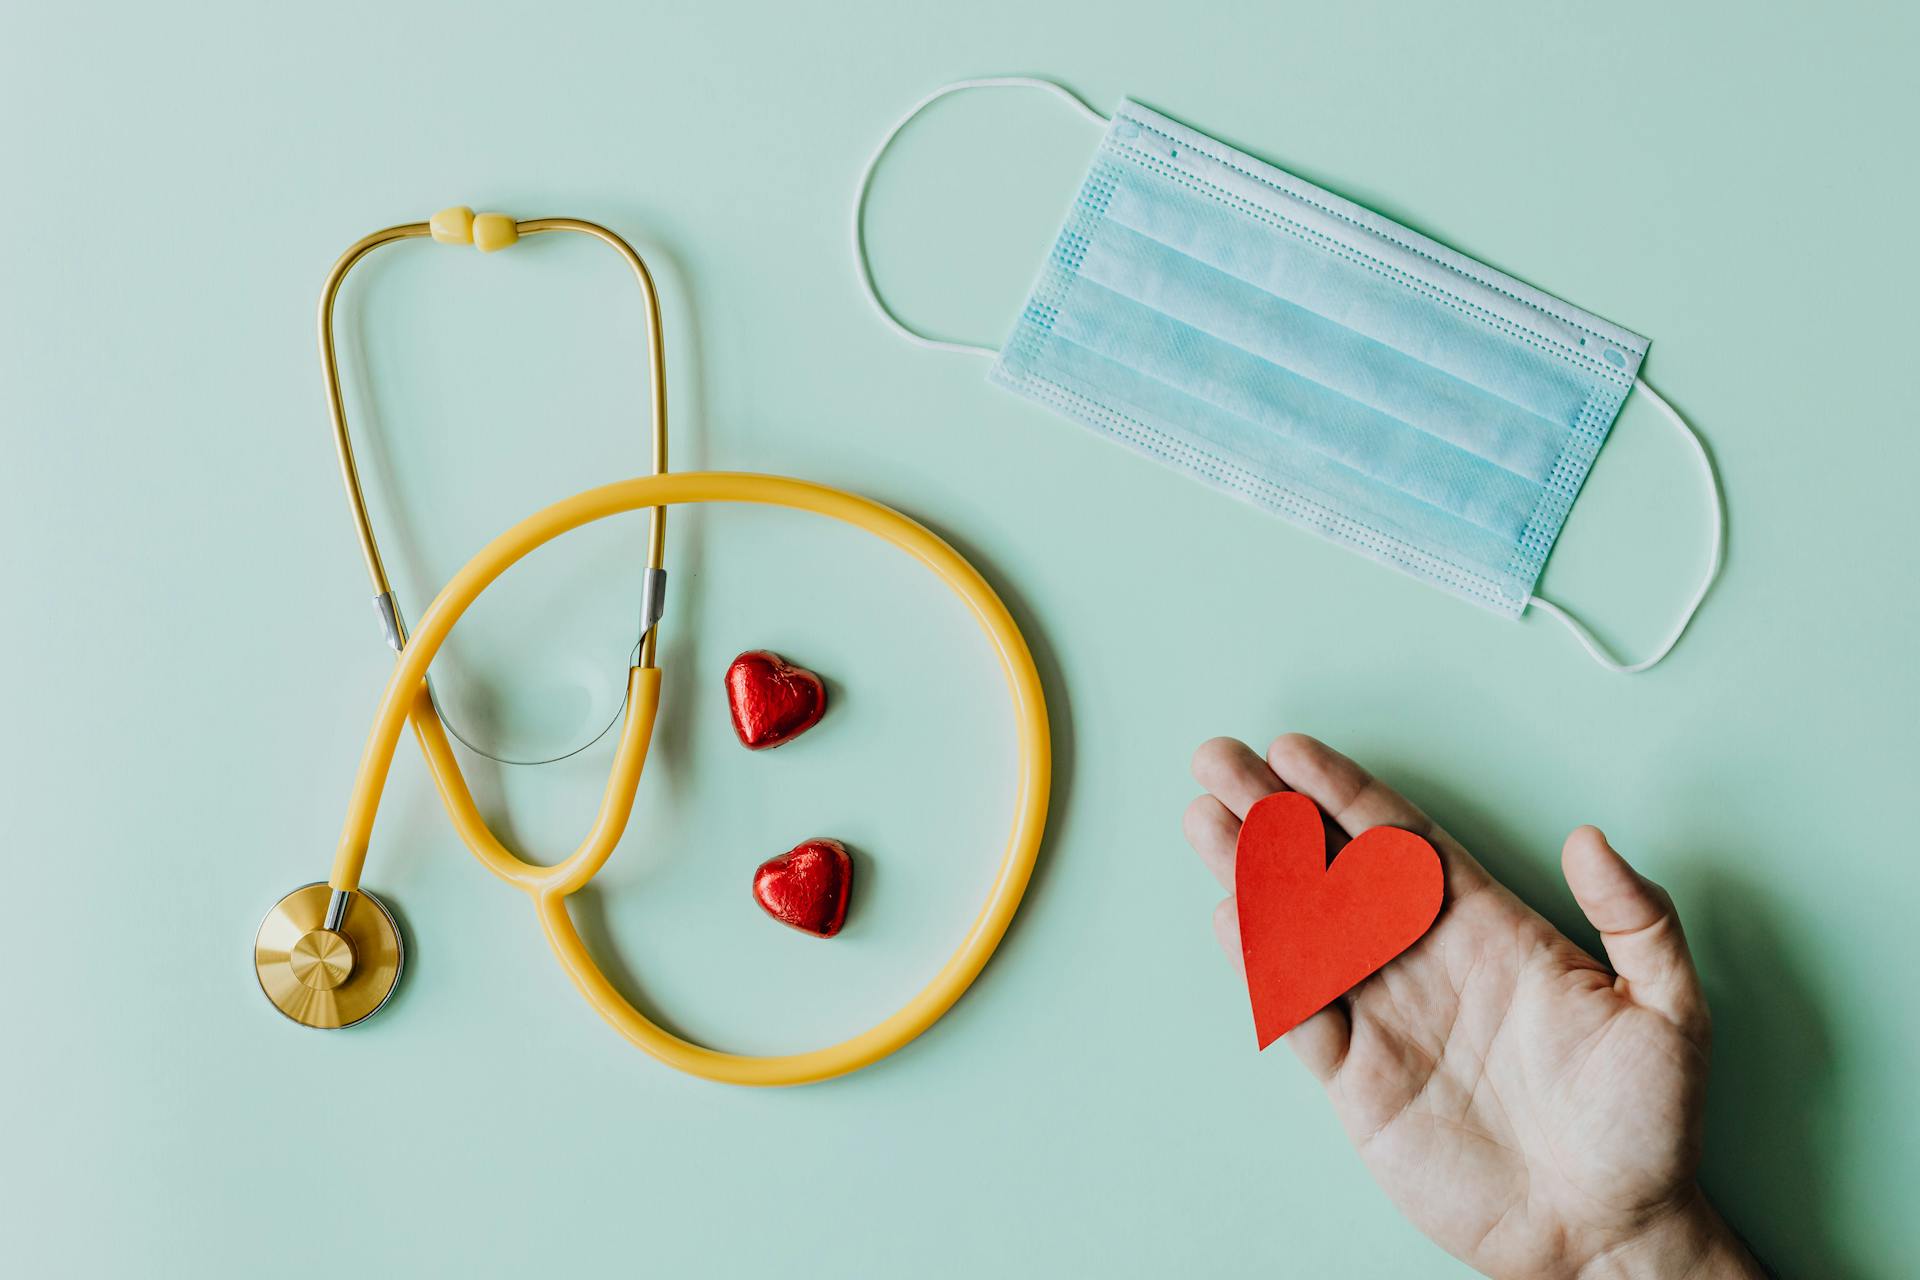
(1774, 1107)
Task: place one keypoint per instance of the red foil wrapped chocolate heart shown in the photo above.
(807, 887)
(772, 700)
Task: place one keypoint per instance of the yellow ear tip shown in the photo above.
(452, 226)
(494, 231)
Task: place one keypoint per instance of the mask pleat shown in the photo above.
(1348, 293)
(1383, 448)
(1338, 358)
(1220, 434)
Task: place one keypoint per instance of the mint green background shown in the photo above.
(190, 663)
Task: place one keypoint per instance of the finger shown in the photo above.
(1640, 930)
(1356, 800)
(1226, 928)
(1228, 768)
(1321, 1041)
(1214, 833)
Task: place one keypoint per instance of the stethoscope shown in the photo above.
(330, 955)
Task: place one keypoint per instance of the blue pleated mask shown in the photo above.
(1318, 360)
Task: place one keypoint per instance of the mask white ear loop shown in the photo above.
(1714, 559)
(873, 162)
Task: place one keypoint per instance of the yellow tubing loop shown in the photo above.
(405, 698)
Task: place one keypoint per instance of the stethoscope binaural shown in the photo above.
(329, 954)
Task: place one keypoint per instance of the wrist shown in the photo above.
(1690, 1241)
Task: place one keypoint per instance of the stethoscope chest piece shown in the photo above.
(323, 976)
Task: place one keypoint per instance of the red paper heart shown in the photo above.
(1309, 931)
(807, 887)
(772, 700)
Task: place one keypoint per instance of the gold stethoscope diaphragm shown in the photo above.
(328, 977)
(329, 955)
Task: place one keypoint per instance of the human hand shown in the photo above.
(1531, 1111)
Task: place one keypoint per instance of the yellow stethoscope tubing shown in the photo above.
(616, 806)
(549, 886)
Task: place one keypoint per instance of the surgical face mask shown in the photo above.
(1318, 360)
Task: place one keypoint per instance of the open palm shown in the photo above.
(1530, 1110)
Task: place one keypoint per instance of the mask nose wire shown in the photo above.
(1715, 558)
(865, 268)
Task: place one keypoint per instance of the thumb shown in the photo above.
(1640, 930)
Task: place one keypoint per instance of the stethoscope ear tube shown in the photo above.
(490, 232)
